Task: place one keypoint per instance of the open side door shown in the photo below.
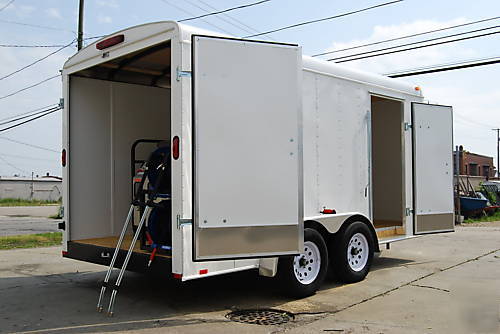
(432, 168)
(247, 148)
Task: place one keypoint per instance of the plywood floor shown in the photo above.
(388, 228)
(111, 242)
(386, 223)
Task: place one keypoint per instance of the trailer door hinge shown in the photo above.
(182, 221)
(408, 126)
(408, 212)
(182, 74)
(61, 103)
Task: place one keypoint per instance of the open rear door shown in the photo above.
(247, 148)
(432, 168)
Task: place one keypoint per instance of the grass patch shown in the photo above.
(493, 218)
(25, 202)
(31, 240)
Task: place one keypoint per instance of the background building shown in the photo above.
(46, 188)
(474, 164)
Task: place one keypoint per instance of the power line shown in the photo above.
(28, 158)
(217, 17)
(407, 36)
(9, 119)
(26, 88)
(13, 166)
(243, 25)
(7, 5)
(435, 69)
(325, 18)
(53, 110)
(36, 26)
(225, 10)
(417, 42)
(461, 62)
(189, 13)
(31, 113)
(30, 46)
(29, 145)
(470, 121)
(94, 37)
(36, 61)
(44, 46)
(413, 48)
(223, 17)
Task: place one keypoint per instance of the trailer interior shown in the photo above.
(112, 105)
(387, 166)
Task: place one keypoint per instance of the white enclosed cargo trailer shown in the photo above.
(276, 161)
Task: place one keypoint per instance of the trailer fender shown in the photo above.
(335, 222)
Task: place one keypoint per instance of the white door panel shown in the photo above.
(247, 148)
(433, 168)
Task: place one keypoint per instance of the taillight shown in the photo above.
(110, 42)
(175, 148)
(63, 157)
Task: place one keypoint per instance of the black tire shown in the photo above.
(342, 268)
(290, 282)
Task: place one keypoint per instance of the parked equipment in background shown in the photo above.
(278, 162)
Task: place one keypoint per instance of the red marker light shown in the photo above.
(110, 42)
(203, 271)
(63, 157)
(177, 276)
(175, 148)
(328, 211)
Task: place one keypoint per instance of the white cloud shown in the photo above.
(104, 19)
(53, 13)
(21, 11)
(107, 3)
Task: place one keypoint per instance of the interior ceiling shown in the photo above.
(149, 67)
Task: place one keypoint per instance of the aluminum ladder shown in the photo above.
(148, 205)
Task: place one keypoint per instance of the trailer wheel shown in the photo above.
(301, 276)
(352, 253)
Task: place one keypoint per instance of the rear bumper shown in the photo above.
(102, 255)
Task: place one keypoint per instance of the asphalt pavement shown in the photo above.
(443, 283)
(28, 219)
(27, 225)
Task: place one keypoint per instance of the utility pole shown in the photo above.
(80, 25)
(498, 151)
(457, 180)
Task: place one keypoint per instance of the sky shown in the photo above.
(473, 93)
